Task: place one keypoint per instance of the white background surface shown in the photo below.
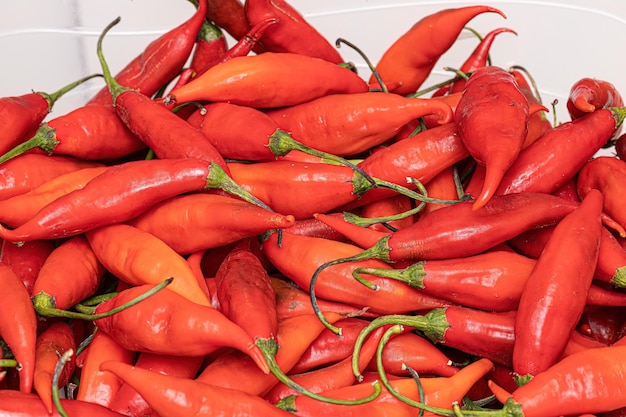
(45, 44)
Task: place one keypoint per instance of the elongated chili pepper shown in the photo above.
(293, 33)
(206, 332)
(139, 258)
(315, 228)
(161, 60)
(21, 115)
(55, 340)
(166, 134)
(599, 296)
(210, 47)
(408, 65)
(607, 174)
(389, 206)
(347, 124)
(250, 40)
(26, 172)
(298, 257)
(358, 235)
(561, 152)
(26, 260)
(585, 382)
(119, 194)
(15, 211)
(490, 281)
(63, 282)
(182, 221)
(235, 370)
(15, 403)
(130, 402)
(476, 332)
(492, 92)
(165, 391)
(245, 293)
(268, 80)
(18, 325)
(91, 132)
(588, 94)
(230, 15)
(477, 59)
(556, 291)
(96, 386)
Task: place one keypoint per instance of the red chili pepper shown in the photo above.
(168, 323)
(315, 228)
(250, 39)
(589, 381)
(599, 296)
(16, 210)
(269, 80)
(408, 66)
(389, 206)
(165, 392)
(96, 386)
(183, 224)
(555, 157)
(245, 293)
(130, 402)
(234, 370)
(230, 16)
(358, 235)
(443, 187)
(602, 324)
(348, 124)
(18, 325)
(477, 59)
(13, 403)
(63, 282)
(51, 343)
(26, 172)
(297, 257)
(491, 92)
(139, 258)
(620, 147)
(556, 291)
(607, 174)
(588, 94)
(538, 123)
(161, 60)
(489, 281)
(120, 193)
(21, 115)
(26, 260)
(293, 33)
(210, 47)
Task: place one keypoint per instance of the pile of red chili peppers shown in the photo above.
(258, 230)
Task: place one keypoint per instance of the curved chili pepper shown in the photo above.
(120, 193)
(408, 65)
(170, 324)
(164, 394)
(293, 33)
(607, 174)
(230, 16)
(492, 92)
(161, 60)
(556, 291)
(209, 49)
(55, 340)
(561, 152)
(538, 123)
(21, 115)
(130, 402)
(96, 386)
(16, 210)
(588, 94)
(15, 403)
(477, 59)
(267, 80)
(235, 370)
(250, 39)
(63, 282)
(26, 260)
(348, 124)
(138, 258)
(245, 293)
(182, 221)
(26, 172)
(18, 325)
(490, 281)
(298, 257)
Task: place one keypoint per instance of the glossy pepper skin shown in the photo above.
(555, 294)
(15, 403)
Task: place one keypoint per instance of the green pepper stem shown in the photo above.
(412, 275)
(65, 357)
(218, 178)
(8, 363)
(44, 138)
(368, 221)
(269, 347)
(371, 66)
(52, 98)
(435, 87)
(114, 87)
